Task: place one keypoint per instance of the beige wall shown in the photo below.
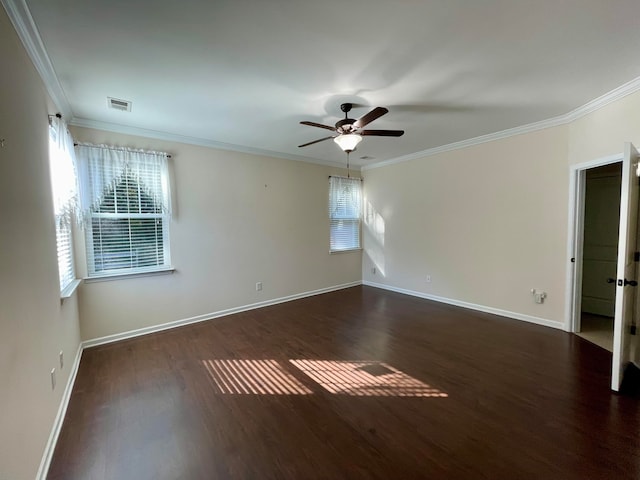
(239, 219)
(604, 133)
(34, 325)
(487, 223)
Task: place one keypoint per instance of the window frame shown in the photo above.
(335, 221)
(67, 289)
(133, 161)
(90, 246)
(60, 143)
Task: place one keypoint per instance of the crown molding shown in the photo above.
(490, 137)
(203, 142)
(22, 21)
(604, 100)
(589, 107)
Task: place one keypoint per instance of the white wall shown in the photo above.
(239, 219)
(487, 223)
(34, 325)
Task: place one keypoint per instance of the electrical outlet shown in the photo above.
(61, 359)
(538, 295)
(258, 286)
(53, 379)
(373, 270)
(428, 279)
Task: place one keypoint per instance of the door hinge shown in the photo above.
(636, 257)
(632, 330)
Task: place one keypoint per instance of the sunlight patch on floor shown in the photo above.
(266, 377)
(354, 378)
(365, 379)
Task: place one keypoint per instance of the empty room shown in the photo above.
(319, 240)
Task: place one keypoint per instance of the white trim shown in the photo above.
(210, 316)
(589, 107)
(598, 162)
(346, 250)
(22, 21)
(47, 455)
(124, 276)
(62, 410)
(622, 91)
(574, 249)
(25, 26)
(45, 463)
(511, 132)
(70, 289)
(472, 306)
(203, 142)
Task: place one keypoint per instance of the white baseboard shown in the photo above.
(62, 410)
(210, 316)
(64, 403)
(472, 306)
(57, 424)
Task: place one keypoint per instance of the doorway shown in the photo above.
(600, 253)
(626, 347)
(595, 170)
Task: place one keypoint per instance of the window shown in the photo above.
(345, 207)
(64, 188)
(126, 205)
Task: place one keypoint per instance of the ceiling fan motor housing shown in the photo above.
(345, 125)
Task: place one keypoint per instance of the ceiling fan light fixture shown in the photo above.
(348, 141)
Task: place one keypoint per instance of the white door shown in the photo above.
(625, 292)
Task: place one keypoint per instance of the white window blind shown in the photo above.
(126, 209)
(345, 212)
(65, 193)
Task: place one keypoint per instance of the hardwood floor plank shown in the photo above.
(314, 398)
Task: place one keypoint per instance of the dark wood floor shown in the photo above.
(391, 387)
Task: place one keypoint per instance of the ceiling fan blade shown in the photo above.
(319, 125)
(316, 141)
(370, 117)
(382, 133)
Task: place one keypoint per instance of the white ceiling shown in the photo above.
(246, 72)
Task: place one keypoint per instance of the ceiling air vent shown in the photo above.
(117, 104)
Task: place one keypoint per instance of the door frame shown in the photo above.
(575, 238)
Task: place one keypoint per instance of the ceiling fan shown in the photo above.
(348, 132)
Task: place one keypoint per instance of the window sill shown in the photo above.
(333, 252)
(124, 276)
(70, 289)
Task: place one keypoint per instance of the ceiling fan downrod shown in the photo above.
(345, 125)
